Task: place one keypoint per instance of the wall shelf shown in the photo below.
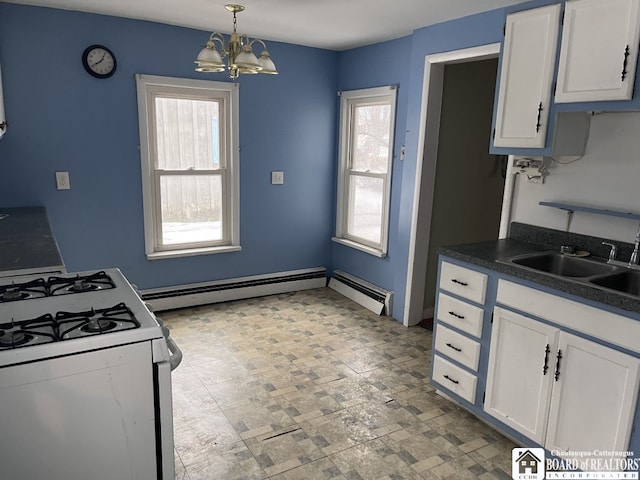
(582, 208)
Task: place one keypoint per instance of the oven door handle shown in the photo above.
(176, 353)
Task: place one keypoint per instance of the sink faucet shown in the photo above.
(633, 261)
(613, 252)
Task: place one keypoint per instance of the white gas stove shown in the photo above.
(84, 369)
(48, 316)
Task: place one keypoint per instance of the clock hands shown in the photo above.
(99, 61)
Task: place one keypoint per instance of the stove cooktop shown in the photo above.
(18, 290)
(66, 326)
(43, 316)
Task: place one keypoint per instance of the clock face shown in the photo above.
(99, 61)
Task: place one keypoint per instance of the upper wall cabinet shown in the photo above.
(528, 61)
(599, 50)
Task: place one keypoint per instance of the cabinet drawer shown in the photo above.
(462, 315)
(463, 281)
(457, 347)
(454, 378)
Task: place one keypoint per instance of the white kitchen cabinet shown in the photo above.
(558, 389)
(599, 50)
(518, 391)
(526, 76)
(594, 397)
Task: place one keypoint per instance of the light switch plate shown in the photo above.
(277, 178)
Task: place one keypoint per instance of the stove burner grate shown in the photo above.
(28, 332)
(12, 294)
(15, 339)
(95, 322)
(79, 284)
(22, 291)
(99, 325)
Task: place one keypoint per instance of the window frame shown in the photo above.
(348, 100)
(148, 88)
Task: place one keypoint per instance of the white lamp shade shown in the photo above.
(246, 61)
(209, 58)
(267, 64)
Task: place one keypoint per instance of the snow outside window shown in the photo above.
(367, 125)
(189, 154)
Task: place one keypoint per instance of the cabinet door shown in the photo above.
(528, 61)
(518, 387)
(594, 397)
(592, 64)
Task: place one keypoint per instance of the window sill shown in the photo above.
(358, 246)
(190, 252)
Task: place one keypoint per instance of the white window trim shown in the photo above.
(151, 216)
(341, 236)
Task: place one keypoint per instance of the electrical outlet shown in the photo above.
(62, 180)
(277, 178)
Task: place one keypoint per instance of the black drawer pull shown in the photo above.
(624, 63)
(455, 348)
(459, 282)
(454, 314)
(538, 124)
(451, 379)
(556, 375)
(546, 360)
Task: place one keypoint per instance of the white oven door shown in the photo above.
(85, 416)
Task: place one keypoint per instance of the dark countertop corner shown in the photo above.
(27, 244)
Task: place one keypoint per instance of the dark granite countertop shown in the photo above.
(27, 244)
(486, 254)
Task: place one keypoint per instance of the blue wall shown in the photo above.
(373, 66)
(402, 62)
(62, 119)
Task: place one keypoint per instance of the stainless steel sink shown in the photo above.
(563, 265)
(626, 281)
(591, 271)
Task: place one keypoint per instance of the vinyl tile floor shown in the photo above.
(312, 386)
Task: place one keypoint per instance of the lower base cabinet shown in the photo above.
(564, 392)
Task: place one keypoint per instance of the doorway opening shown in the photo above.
(459, 188)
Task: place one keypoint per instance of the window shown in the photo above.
(367, 124)
(189, 153)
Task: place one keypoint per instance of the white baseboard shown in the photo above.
(181, 296)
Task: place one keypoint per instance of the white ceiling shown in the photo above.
(330, 24)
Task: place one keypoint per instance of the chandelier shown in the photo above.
(238, 53)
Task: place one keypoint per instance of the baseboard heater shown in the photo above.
(370, 296)
(234, 289)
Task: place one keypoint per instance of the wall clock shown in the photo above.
(99, 61)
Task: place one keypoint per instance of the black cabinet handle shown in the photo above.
(454, 314)
(459, 282)
(558, 357)
(538, 124)
(547, 350)
(451, 379)
(455, 348)
(624, 63)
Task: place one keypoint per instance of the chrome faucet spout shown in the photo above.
(633, 261)
(613, 252)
